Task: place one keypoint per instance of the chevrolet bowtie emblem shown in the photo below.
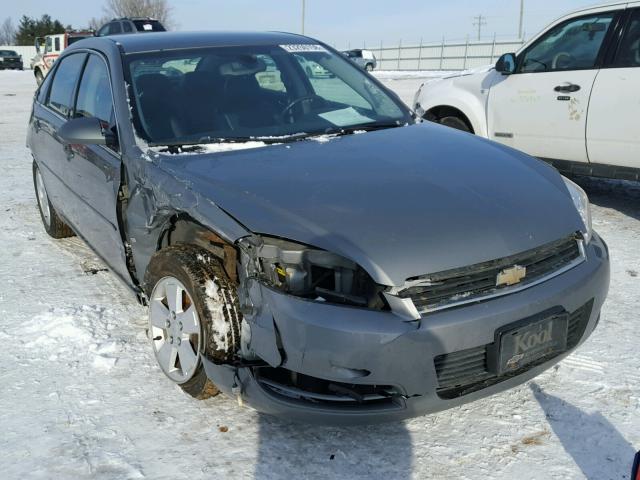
(511, 276)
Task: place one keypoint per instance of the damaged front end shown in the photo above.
(275, 275)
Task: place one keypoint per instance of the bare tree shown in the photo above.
(96, 23)
(158, 9)
(7, 32)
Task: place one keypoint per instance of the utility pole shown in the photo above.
(303, 12)
(521, 27)
(479, 22)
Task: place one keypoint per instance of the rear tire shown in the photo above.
(53, 224)
(206, 315)
(455, 122)
(369, 67)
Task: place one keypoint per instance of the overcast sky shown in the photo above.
(338, 22)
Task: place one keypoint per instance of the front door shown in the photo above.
(542, 108)
(613, 129)
(94, 171)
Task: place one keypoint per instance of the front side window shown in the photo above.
(64, 83)
(572, 45)
(57, 44)
(94, 94)
(629, 52)
(240, 93)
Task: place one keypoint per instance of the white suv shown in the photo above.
(570, 96)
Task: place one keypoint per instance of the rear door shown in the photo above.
(94, 171)
(542, 108)
(48, 116)
(613, 128)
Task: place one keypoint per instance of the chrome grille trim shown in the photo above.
(495, 293)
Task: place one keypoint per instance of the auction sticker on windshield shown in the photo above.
(303, 48)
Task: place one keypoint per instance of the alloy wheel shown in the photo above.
(175, 330)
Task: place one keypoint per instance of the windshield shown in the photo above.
(240, 93)
(8, 53)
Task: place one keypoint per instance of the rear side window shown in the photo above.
(64, 83)
(126, 27)
(148, 26)
(629, 52)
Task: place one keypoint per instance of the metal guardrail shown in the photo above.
(443, 56)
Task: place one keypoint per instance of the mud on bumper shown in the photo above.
(335, 364)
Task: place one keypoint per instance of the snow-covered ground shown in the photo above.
(81, 396)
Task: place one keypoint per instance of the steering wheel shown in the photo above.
(306, 98)
(561, 57)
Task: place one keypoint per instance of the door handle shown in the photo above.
(567, 88)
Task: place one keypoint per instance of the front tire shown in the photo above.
(455, 122)
(39, 77)
(193, 313)
(53, 224)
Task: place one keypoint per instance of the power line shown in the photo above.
(480, 21)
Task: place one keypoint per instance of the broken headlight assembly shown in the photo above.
(308, 272)
(581, 201)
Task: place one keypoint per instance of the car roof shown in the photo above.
(179, 40)
(599, 5)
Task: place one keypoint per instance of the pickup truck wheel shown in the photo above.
(455, 122)
(193, 313)
(369, 67)
(52, 222)
(39, 77)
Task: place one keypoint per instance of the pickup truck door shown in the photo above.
(613, 128)
(542, 108)
(93, 172)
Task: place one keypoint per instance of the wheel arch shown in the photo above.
(181, 228)
(447, 96)
(436, 113)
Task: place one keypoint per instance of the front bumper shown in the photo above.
(364, 347)
(11, 64)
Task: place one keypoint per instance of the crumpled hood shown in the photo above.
(401, 202)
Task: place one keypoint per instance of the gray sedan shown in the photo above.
(302, 243)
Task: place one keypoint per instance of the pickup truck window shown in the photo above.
(572, 45)
(629, 52)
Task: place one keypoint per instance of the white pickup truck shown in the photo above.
(49, 48)
(570, 96)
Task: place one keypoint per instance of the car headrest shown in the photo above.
(244, 65)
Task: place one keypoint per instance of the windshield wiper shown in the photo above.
(363, 127)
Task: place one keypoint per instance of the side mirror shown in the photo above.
(507, 64)
(85, 131)
(38, 42)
